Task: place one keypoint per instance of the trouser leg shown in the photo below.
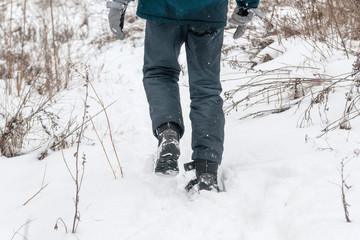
(203, 50)
(161, 73)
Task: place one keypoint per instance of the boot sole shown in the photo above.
(167, 167)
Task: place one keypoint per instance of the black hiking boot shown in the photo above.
(168, 150)
(206, 175)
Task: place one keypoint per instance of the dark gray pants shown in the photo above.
(161, 74)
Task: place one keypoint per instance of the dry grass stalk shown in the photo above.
(21, 227)
(57, 80)
(20, 78)
(48, 64)
(103, 147)
(109, 127)
(337, 26)
(8, 83)
(41, 188)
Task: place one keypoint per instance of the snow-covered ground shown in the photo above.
(281, 181)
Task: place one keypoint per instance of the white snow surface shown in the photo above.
(281, 181)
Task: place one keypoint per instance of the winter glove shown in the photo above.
(116, 16)
(241, 17)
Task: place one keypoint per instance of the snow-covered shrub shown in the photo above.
(295, 58)
(39, 42)
(320, 20)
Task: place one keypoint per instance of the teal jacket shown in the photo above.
(192, 12)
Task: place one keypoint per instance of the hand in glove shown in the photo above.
(116, 16)
(241, 17)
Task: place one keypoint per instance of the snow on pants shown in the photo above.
(161, 75)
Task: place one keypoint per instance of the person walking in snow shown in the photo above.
(199, 24)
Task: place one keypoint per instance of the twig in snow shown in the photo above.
(41, 188)
(56, 227)
(18, 230)
(344, 189)
(78, 178)
(268, 112)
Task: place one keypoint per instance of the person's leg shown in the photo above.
(203, 49)
(161, 73)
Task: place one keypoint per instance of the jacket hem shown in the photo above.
(217, 24)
